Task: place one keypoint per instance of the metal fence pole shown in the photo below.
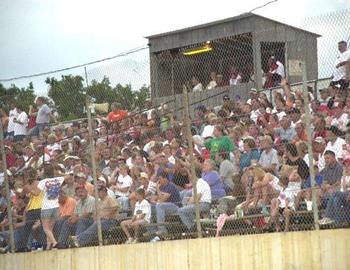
(309, 146)
(187, 122)
(7, 188)
(93, 164)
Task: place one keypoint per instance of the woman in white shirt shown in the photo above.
(122, 187)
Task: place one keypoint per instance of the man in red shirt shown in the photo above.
(117, 114)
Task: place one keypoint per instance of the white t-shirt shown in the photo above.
(208, 131)
(275, 184)
(51, 188)
(290, 193)
(12, 115)
(340, 72)
(204, 189)
(43, 114)
(52, 147)
(341, 122)
(123, 182)
(234, 81)
(198, 88)
(145, 208)
(171, 159)
(279, 70)
(211, 85)
(21, 129)
(336, 147)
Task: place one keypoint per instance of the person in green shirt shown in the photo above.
(219, 143)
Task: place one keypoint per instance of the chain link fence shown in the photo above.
(234, 135)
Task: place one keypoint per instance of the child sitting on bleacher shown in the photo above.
(142, 215)
(285, 201)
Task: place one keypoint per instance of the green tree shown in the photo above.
(68, 96)
(22, 96)
(141, 96)
(102, 91)
(125, 96)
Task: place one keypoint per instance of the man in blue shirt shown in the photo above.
(167, 201)
(212, 177)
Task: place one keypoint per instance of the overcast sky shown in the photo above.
(42, 35)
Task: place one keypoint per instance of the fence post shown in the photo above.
(93, 163)
(7, 188)
(309, 146)
(187, 122)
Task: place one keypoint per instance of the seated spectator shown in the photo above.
(300, 131)
(102, 182)
(319, 124)
(208, 130)
(164, 166)
(268, 158)
(212, 177)
(227, 170)
(106, 156)
(69, 185)
(293, 159)
(197, 86)
(66, 209)
(285, 132)
(81, 219)
(338, 205)
(142, 215)
(219, 143)
(52, 145)
(261, 188)
(122, 187)
(212, 84)
(187, 213)
(81, 179)
(234, 77)
(167, 200)
(110, 168)
(306, 192)
(335, 142)
(285, 200)
(108, 209)
(251, 154)
(332, 173)
(340, 118)
(220, 81)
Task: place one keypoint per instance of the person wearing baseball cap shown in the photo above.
(81, 219)
(81, 179)
(108, 210)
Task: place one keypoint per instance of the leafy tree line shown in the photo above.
(68, 95)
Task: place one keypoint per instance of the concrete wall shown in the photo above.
(312, 250)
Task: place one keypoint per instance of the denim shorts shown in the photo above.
(49, 213)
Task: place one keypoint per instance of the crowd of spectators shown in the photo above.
(271, 78)
(254, 150)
